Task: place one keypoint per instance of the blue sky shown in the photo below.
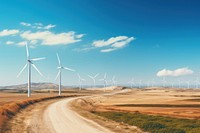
(131, 38)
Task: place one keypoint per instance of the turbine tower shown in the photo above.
(94, 79)
(60, 68)
(104, 81)
(30, 64)
(152, 82)
(80, 81)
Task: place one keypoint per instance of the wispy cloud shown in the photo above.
(49, 26)
(7, 32)
(84, 49)
(113, 43)
(38, 26)
(9, 42)
(107, 50)
(23, 43)
(175, 73)
(50, 38)
(25, 24)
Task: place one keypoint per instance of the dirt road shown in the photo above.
(53, 116)
(61, 119)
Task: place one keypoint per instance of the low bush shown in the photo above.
(154, 124)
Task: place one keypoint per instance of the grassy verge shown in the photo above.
(7, 111)
(162, 105)
(154, 124)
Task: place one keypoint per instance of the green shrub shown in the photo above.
(171, 130)
(154, 124)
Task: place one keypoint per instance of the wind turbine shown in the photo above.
(132, 82)
(188, 84)
(172, 85)
(164, 81)
(114, 81)
(140, 83)
(104, 81)
(94, 79)
(30, 64)
(179, 83)
(197, 82)
(153, 81)
(148, 84)
(60, 68)
(80, 81)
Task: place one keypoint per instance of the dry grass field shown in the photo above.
(160, 110)
(168, 102)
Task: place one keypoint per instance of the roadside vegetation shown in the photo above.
(7, 111)
(154, 124)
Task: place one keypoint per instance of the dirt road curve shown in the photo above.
(59, 118)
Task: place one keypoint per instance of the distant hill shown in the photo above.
(34, 86)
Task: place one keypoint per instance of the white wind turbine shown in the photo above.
(197, 82)
(179, 83)
(132, 82)
(30, 64)
(60, 68)
(148, 84)
(114, 81)
(80, 81)
(188, 84)
(140, 83)
(104, 81)
(164, 81)
(152, 82)
(172, 85)
(94, 79)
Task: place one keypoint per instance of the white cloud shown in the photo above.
(38, 26)
(80, 35)
(7, 32)
(107, 50)
(49, 26)
(9, 42)
(113, 43)
(33, 41)
(23, 43)
(175, 73)
(25, 24)
(50, 38)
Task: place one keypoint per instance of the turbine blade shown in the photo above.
(36, 59)
(27, 51)
(22, 70)
(105, 75)
(58, 60)
(68, 69)
(90, 76)
(37, 69)
(57, 75)
(96, 75)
